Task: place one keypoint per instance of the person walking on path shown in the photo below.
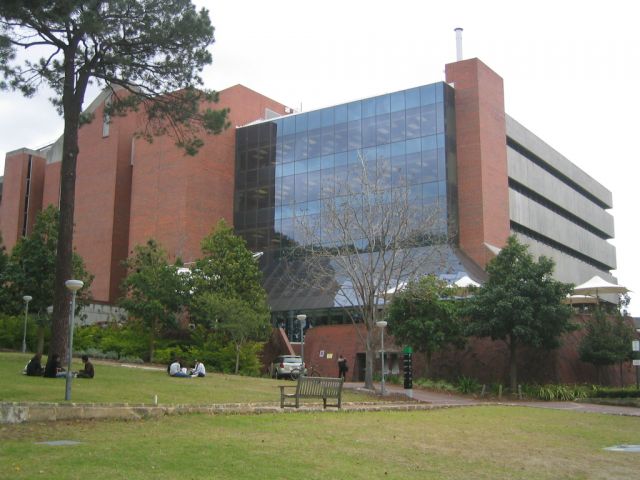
(342, 367)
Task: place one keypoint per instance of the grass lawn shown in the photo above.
(488, 442)
(116, 384)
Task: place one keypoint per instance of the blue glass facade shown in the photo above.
(288, 168)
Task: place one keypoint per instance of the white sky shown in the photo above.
(571, 71)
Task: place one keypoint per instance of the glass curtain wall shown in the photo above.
(287, 168)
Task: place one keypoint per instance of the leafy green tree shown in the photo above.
(423, 317)
(147, 53)
(607, 341)
(155, 293)
(235, 319)
(520, 303)
(227, 294)
(227, 267)
(30, 270)
(4, 261)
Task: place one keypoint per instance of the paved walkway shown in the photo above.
(447, 399)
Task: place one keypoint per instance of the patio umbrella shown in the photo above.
(393, 290)
(598, 286)
(465, 282)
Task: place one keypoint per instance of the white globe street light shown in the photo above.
(302, 319)
(381, 324)
(27, 299)
(73, 286)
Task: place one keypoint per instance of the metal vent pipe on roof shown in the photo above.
(458, 43)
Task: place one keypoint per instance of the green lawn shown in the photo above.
(117, 384)
(487, 442)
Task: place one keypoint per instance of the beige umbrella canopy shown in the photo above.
(596, 286)
(465, 282)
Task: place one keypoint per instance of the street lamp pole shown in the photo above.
(382, 324)
(73, 286)
(27, 299)
(302, 320)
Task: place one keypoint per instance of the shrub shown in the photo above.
(112, 341)
(394, 379)
(468, 385)
(440, 385)
(12, 330)
(616, 393)
(552, 392)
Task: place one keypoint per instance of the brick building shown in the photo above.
(452, 141)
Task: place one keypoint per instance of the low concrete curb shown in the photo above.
(22, 412)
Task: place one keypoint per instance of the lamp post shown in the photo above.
(381, 324)
(27, 299)
(73, 286)
(635, 347)
(302, 318)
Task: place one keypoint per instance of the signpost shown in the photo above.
(408, 370)
(635, 346)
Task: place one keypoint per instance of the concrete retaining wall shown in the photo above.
(13, 413)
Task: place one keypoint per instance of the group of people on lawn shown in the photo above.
(53, 368)
(175, 369)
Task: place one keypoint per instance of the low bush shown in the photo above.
(468, 385)
(439, 385)
(616, 393)
(556, 392)
(394, 379)
(12, 331)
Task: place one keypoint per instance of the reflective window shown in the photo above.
(397, 126)
(397, 102)
(383, 104)
(341, 137)
(288, 168)
(354, 111)
(383, 129)
(314, 144)
(301, 123)
(369, 131)
(314, 120)
(369, 108)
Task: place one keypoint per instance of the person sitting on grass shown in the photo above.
(175, 369)
(34, 367)
(198, 370)
(88, 371)
(53, 369)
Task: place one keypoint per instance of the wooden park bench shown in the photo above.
(313, 387)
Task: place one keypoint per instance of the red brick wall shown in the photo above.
(177, 199)
(102, 201)
(51, 194)
(333, 340)
(14, 188)
(483, 194)
(488, 362)
(482, 359)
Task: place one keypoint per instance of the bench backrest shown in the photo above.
(319, 386)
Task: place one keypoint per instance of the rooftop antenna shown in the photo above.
(458, 31)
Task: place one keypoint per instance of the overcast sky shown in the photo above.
(571, 72)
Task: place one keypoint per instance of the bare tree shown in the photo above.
(372, 235)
